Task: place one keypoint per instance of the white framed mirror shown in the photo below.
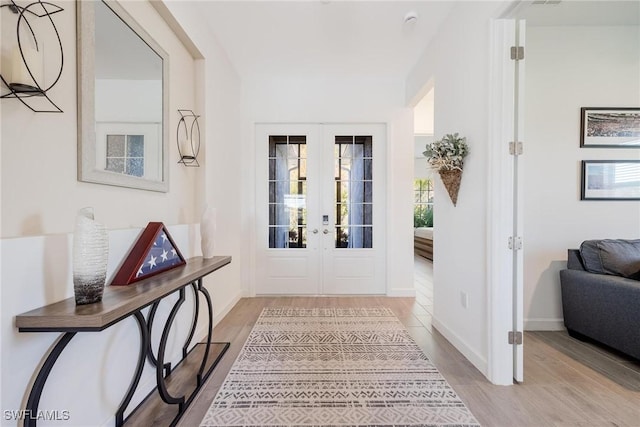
(123, 100)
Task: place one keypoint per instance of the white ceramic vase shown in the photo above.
(207, 232)
(90, 255)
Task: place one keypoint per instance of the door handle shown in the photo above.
(325, 231)
(315, 231)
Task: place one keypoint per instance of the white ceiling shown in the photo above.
(582, 12)
(320, 37)
(361, 38)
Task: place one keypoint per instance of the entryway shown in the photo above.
(320, 209)
(423, 207)
(423, 282)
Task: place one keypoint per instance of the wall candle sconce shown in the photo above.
(188, 138)
(27, 71)
(21, 73)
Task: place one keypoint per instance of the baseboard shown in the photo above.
(402, 292)
(201, 331)
(537, 324)
(227, 308)
(476, 359)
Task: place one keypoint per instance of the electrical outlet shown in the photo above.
(464, 299)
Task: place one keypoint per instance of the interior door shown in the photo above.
(354, 202)
(506, 247)
(287, 189)
(518, 194)
(320, 200)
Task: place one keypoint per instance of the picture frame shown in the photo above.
(610, 180)
(610, 127)
(154, 252)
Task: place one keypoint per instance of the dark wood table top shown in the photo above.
(117, 302)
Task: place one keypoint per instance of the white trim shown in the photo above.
(472, 355)
(500, 205)
(538, 324)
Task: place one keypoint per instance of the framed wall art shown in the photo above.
(154, 252)
(610, 127)
(610, 180)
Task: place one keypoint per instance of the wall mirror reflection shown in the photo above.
(123, 100)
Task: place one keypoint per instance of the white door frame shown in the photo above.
(504, 269)
(372, 262)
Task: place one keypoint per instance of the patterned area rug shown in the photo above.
(334, 367)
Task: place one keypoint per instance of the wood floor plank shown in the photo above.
(568, 383)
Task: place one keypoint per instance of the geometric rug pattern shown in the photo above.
(334, 367)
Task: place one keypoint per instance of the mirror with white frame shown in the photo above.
(123, 91)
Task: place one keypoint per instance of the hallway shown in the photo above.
(565, 379)
(423, 281)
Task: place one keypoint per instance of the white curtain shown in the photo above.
(282, 188)
(356, 197)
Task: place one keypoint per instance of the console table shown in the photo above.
(118, 303)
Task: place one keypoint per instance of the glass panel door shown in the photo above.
(353, 245)
(320, 209)
(287, 178)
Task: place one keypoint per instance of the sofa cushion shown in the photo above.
(612, 256)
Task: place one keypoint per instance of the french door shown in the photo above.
(320, 209)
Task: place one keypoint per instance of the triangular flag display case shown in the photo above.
(154, 252)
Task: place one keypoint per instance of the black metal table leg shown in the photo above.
(204, 292)
(150, 355)
(162, 388)
(144, 345)
(194, 322)
(31, 413)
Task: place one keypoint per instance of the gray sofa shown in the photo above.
(601, 293)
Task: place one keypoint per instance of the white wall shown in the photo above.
(568, 68)
(421, 168)
(347, 100)
(218, 97)
(423, 115)
(40, 150)
(40, 197)
(458, 62)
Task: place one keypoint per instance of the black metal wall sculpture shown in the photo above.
(26, 81)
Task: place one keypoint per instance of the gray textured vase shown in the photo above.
(90, 254)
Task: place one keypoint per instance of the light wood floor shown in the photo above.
(567, 382)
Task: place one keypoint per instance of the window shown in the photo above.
(423, 203)
(125, 154)
(130, 149)
(287, 191)
(353, 156)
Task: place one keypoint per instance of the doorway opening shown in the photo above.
(423, 212)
